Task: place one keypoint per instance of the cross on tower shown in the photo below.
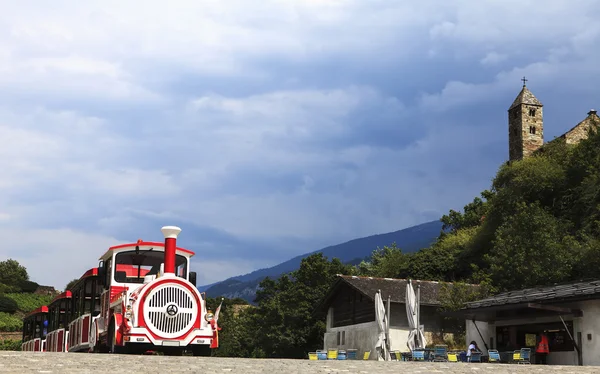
(524, 80)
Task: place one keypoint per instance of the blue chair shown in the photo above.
(494, 355)
(525, 355)
(475, 357)
(351, 354)
(418, 355)
(440, 353)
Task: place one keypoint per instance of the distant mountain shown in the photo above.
(409, 240)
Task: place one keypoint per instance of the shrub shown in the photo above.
(7, 304)
(28, 286)
(26, 302)
(10, 323)
(10, 345)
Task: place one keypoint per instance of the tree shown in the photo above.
(12, 273)
(283, 324)
(70, 285)
(532, 248)
(386, 262)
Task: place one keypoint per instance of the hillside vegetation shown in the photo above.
(538, 224)
(17, 298)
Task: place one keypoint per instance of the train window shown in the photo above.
(108, 265)
(132, 267)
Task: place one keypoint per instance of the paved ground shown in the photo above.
(27, 362)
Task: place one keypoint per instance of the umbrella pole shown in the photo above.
(387, 327)
(419, 314)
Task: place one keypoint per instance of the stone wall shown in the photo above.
(580, 132)
(526, 130)
(17, 335)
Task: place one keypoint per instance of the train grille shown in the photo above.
(170, 311)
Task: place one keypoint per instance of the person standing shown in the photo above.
(472, 348)
(542, 349)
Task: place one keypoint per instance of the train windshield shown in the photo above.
(133, 266)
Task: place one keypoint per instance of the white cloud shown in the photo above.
(54, 257)
(493, 58)
(265, 120)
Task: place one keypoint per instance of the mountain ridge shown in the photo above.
(409, 239)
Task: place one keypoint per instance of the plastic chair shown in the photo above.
(418, 355)
(341, 355)
(366, 355)
(322, 355)
(494, 355)
(332, 354)
(452, 357)
(475, 357)
(312, 356)
(440, 353)
(525, 355)
(517, 357)
(352, 354)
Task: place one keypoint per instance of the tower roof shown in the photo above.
(525, 97)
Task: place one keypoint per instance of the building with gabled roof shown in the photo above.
(349, 307)
(526, 126)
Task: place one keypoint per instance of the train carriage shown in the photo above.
(85, 307)
(35, 328)
(59, 315)
(142, 297)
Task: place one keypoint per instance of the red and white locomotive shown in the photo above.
(142, 297)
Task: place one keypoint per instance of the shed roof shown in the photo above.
(555, 293)
(392, 287)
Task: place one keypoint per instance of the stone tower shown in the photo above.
(525, 125)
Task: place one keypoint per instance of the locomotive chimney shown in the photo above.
(170, 233)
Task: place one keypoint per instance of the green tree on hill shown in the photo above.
(12, 273)
(538, 224)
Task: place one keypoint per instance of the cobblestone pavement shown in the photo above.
(28, 362)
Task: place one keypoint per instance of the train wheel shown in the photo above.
(112, 339)
(201, 350)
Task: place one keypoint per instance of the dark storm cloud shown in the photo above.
(266, 130)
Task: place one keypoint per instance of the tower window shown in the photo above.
(532, 113)
(532, 129)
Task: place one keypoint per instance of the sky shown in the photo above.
(265, 129)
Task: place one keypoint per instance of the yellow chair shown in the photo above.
(452, 357)
(312, 356)
(517, 357)
(367, 355)
(332, 354)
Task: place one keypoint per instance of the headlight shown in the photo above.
(128, 312)
(209, 316)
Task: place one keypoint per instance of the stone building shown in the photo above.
(526, 126)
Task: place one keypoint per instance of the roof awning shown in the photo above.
(513, 311)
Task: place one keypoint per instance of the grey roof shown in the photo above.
(556, 293)
(395, 288)
(525, 97)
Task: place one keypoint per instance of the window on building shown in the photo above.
(338, 338)
(531, 112)
(343, 337)
(532, 129)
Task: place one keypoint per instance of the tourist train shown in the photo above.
(142, 297)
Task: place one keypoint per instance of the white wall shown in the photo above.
(363, 336)
(487, 331)
(588, 324)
